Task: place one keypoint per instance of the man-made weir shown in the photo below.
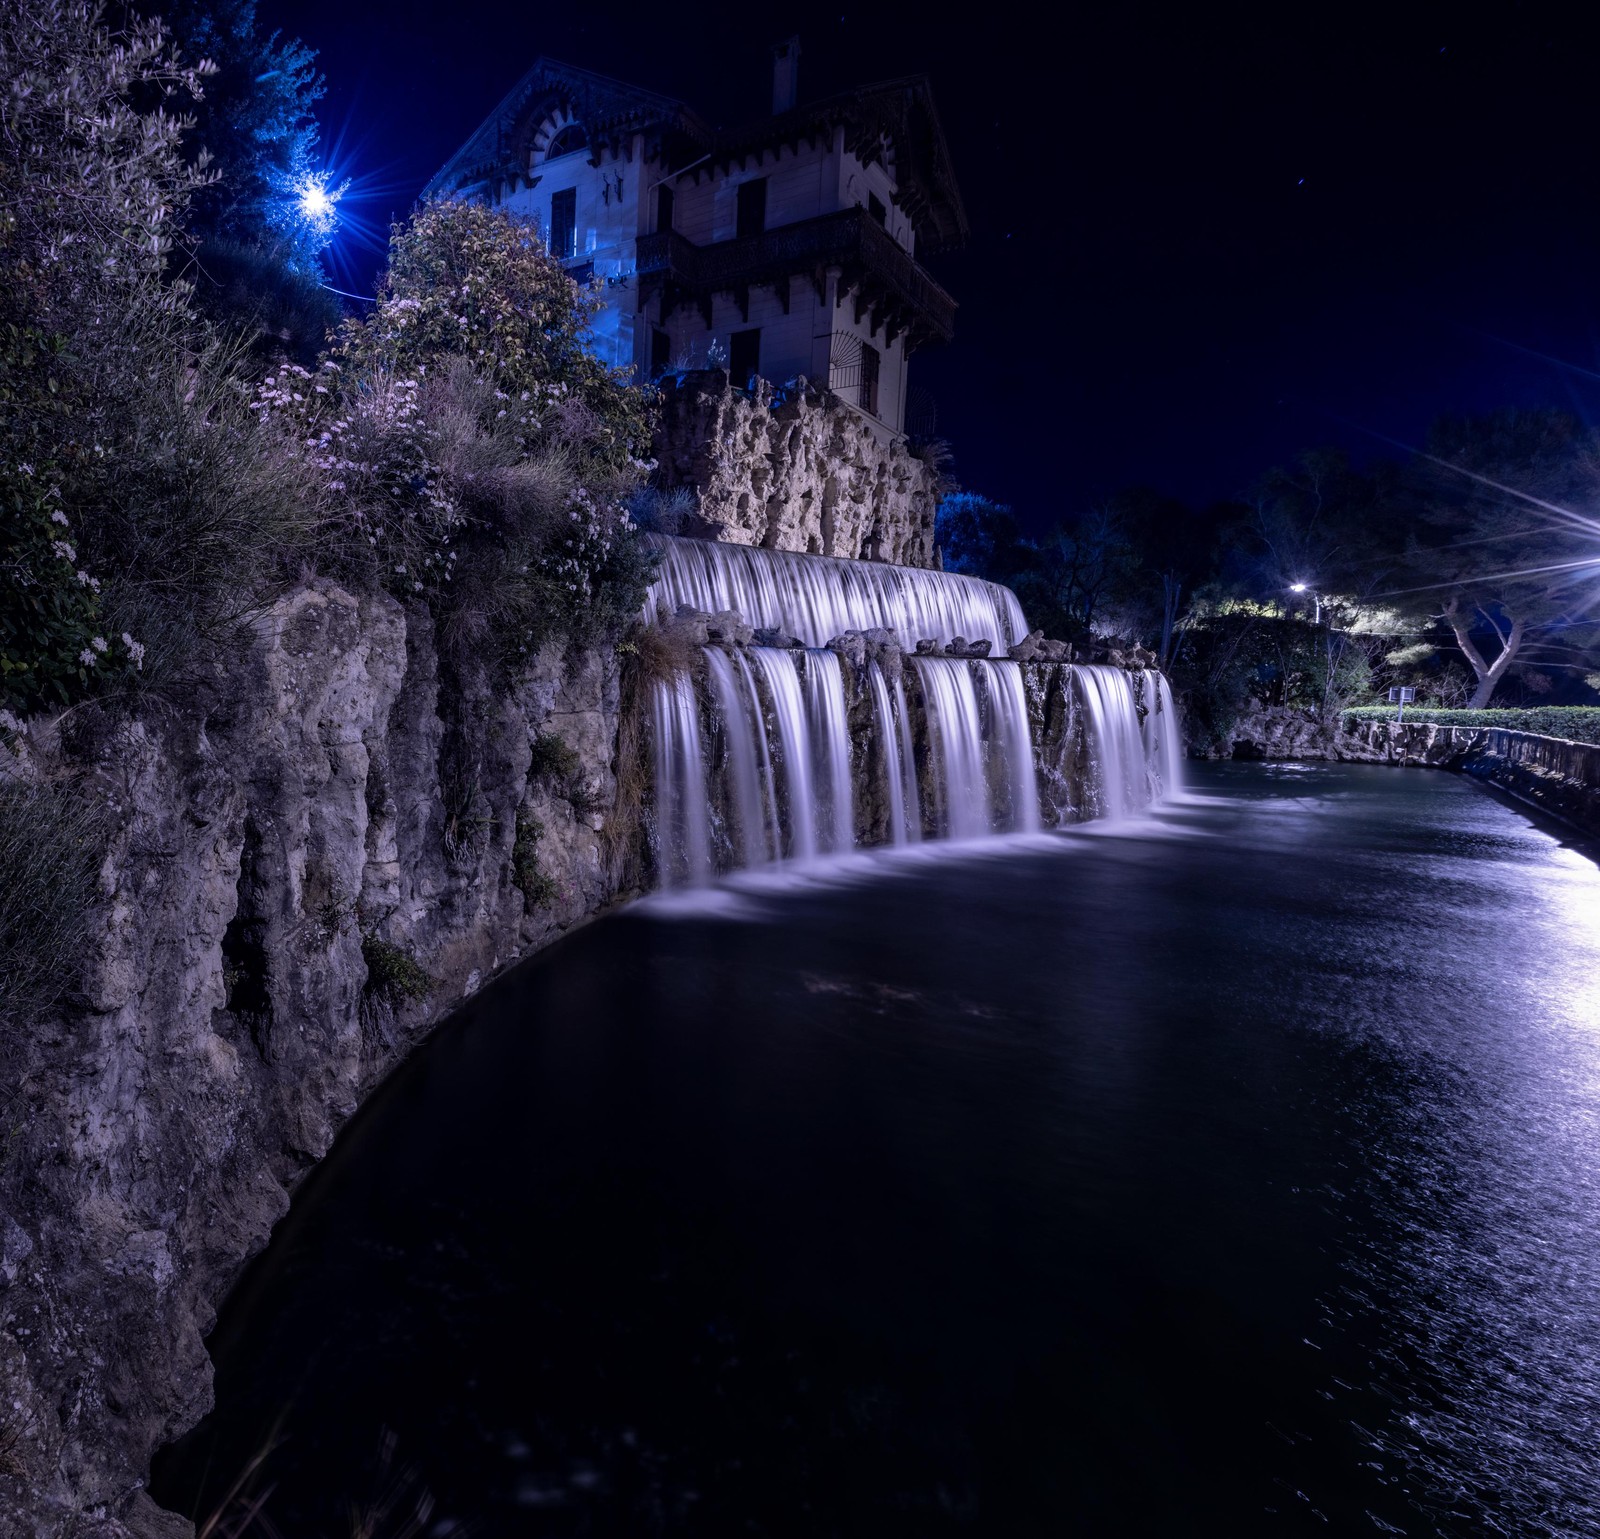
(815, 598)
(766, 753)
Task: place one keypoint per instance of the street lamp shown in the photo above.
(1316, 601)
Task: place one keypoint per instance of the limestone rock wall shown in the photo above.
(319, 795)
(795, 471)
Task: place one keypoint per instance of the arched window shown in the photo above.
(570, 139)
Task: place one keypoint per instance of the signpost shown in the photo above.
(1401, 695)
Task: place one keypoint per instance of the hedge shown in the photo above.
(1578, 723)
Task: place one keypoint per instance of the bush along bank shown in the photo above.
(1575, 724)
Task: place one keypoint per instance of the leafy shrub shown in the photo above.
(1577, 723)
(393, 974)
(536, 885)
(553, 759)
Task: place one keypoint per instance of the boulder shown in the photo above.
(1026, 650)
(978, 648)
(957, 647)
(927, 646)
(689, 625)
(852, 648)
(768, 636)
(730, 628)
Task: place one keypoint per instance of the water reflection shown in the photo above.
(1235, 1171)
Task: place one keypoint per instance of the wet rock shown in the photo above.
(730, 628)
(978, 648)
(1026, 650)
(690, 625)
(883, 648)
(956, 647)
(769, 636)
(927, 646)
(1055, 651)
(852, 648)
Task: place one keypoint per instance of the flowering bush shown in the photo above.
(474, 452)
(51, 629)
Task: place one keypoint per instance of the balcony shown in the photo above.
(881, 278)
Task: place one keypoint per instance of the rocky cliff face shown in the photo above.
(313, 856)
(795, 472)
(1279, 732)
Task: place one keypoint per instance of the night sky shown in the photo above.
(1199, 244)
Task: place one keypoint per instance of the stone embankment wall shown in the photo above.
(321, 799)
(1559, 776)
(795, 470)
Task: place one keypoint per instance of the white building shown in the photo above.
(783, 248)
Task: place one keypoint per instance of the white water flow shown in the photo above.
(815, 598)
(1117, 745)
(735, 707)
(1011, 742)
(896, 757)
(830, 737)
(682, 826)
(961, 788)
(908, 766)
(793, 743)
(759, 740)
(1163, 741)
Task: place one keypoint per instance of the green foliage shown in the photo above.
(553, 759)
(474, 284)
(480, 456)
(1578, 724)
(393, 974)
(51, 844)
(537, 887)
(52, 641)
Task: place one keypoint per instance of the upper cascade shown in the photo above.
(815, 598)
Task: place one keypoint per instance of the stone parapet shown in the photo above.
(1552, 773)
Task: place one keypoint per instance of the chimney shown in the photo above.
(785, 74)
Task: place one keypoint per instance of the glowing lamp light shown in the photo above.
(315, 204)
(1297, 587)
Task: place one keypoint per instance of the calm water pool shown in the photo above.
(1236, 1172)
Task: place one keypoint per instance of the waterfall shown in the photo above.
(792, 744)
(897, 757)
(1162, 737)
(815, 598)
(772, 753)
(983, 780)
(682, 832)
(1117, 743)
(830, 733)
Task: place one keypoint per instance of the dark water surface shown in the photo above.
(1239, 1173)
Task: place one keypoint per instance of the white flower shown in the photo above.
(63, 550)
(98, 643)
(58, 517)
(86, 657)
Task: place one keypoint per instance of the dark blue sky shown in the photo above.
(1198, 243)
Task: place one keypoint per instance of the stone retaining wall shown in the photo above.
(1561, 777)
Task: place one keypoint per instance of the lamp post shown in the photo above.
(1316, 601)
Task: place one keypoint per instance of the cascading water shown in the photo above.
(830, 733)
(897, 758)
(771, 753)
(1163, 741)
(1121, 780)
(815, 598)
(683, 834)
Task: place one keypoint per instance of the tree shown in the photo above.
(254, 257)
(978, 537)
(1504, 548)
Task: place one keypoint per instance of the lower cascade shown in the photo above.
(765, 753)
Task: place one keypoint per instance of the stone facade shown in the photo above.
(795, 470)
(320, 794)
